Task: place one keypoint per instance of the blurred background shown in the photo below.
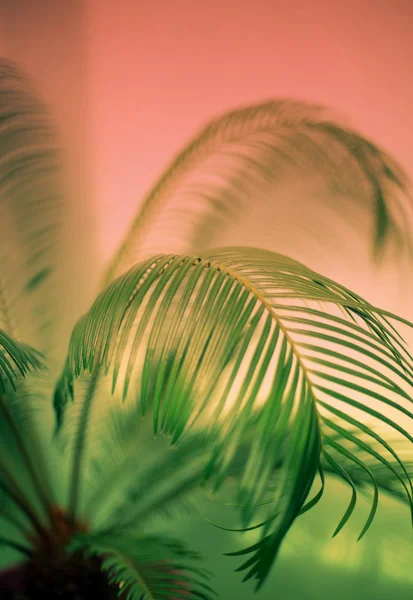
(130, 82)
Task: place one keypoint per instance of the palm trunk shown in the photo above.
(64, 580)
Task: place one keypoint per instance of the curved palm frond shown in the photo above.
(147, 568)
(106, 440)
(30, 203)
(233, 164)
(211, 344)
(115, 473)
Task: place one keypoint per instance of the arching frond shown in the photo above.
(147, 568)
(106, 441)
(30, 203)
(237, 160)
(211, 344)
(126, 458)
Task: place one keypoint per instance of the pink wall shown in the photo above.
(158, 70)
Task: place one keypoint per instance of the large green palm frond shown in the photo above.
(242, 158)
(114, 474)
(106, 440)
(280, 369)
(30, 211)
(133, 565)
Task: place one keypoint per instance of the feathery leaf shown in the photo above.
(30, 202)
(233, 164)
(210, 344)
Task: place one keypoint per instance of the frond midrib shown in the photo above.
(254, 290)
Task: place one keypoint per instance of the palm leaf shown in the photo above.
(147, 568)
(30, 203)
(106, 440)
(210, 343)
(233, 164)
(115, 473)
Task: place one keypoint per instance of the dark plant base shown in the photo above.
(68, 580)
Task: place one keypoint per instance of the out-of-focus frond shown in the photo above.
(235, 162)
(30, 211)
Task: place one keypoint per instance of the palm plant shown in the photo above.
(233, 373)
